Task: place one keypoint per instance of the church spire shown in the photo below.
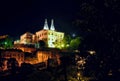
(46, 25)
(52, 25)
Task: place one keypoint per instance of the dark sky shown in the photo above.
(20, 16)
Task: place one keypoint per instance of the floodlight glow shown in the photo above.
(73, 35)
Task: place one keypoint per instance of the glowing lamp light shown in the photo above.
(92, 52)
(62, 45)
(78, 73)
(5, 42)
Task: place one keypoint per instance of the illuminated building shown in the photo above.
(12, 53)
(49, 35)
(3, 36)
(44, 55)
(24, 48)
(40, 56)
(27, 38)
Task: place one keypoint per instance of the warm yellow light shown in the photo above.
(4, 36)
(78, 73)
(62, 45)
(68, 45)
(92, 52)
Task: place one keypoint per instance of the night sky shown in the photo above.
(20, 16)
(81, 17)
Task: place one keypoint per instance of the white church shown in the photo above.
(50, 36)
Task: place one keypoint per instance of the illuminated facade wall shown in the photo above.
(54, 38)
(42, 35)
(27, 38)
(13, 53)
(25, 48)
(50, 36)
(43, 56)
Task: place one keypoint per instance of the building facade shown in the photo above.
(51, 57)
(49, 35)
(11, 53)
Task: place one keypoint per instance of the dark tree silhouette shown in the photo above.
(99, 20)
(66, 61)
(12, 65)
(2, 62)
(42, 43)
(26, 68)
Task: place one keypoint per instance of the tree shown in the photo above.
(12, 65)
(99, 20)
(66, 41)
(69, 43)
(26, 68)
(74, 43)
(8, 43)
(64, 44)
(42, 43)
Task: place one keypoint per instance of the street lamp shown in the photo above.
(78, 75)
(92, 52)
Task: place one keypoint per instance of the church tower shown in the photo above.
(46, 25)
(52, 25)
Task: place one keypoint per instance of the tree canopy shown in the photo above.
(6, 42)
(99, 20)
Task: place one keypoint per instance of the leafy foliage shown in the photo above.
(69, 43)
(74, 43)
(42, 43)
(99, 20)
(6, 42)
